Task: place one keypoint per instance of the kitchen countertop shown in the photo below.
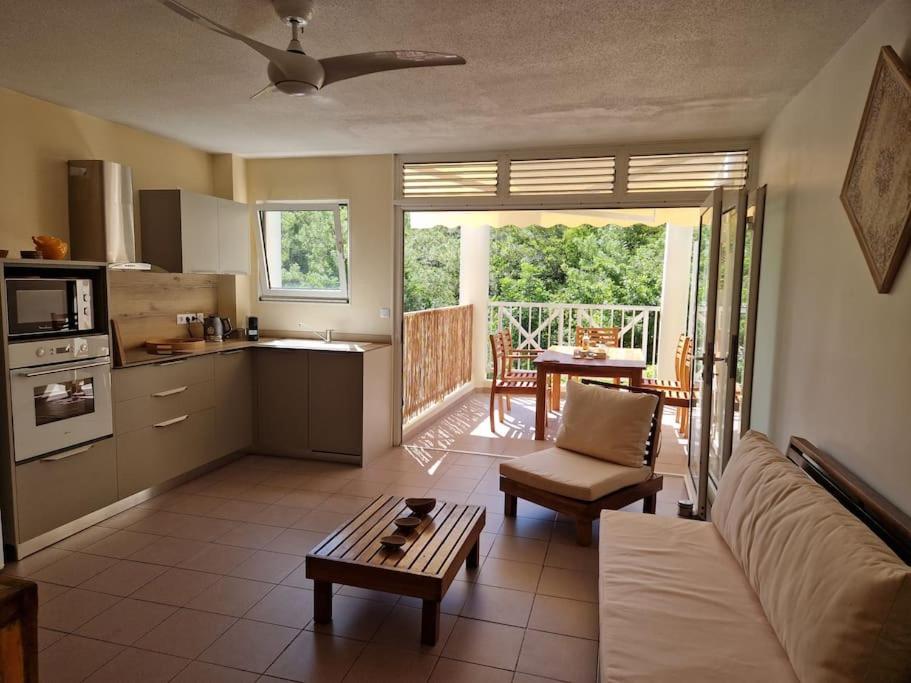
(135, 357)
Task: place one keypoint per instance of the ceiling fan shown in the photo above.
(294, 72)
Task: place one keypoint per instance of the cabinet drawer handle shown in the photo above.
(170, 392)
(67, 454)
(171, 362)
(173, 421)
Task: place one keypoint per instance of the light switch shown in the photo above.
(385, 312)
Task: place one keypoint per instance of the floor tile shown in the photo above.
(285, 606)
(264, 565)
(528, 678)
(454, 671)
(519, 549)
(120, 544)
(349, 505)
(573, 556)
(74, 569)
(176, 586)
(237, 510)
(482, 642)
(250, 535)
(354, 618)
(367, 594)
(231, 596)
(375, 665)
(217, 559)
(509, 574)
(302, 499)
(72, 609)
(499, 605)
(249, 645)
(279, 515)
(74, 658)
(201, 672)
(567, 583)
(47, 637)
(32, 564)
(402, 630)
(295, 541)
(48, 591)
(191, 504)
(126, 518)
(316, 657)
(138, 666)
(126, 622)
(555, 656)
(85, 538)
(322, 520)
(123, 578)
(186, 633)
(168, 551)
(527, 527)
(566, 617)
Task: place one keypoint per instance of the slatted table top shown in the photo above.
(424, 567)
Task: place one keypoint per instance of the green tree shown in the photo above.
(431, 267)
(309, 258)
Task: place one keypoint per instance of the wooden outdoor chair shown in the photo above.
(513, 355)
(581, 485)
(503, 385)
(600, 336)
(677, 392)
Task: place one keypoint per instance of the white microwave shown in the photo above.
(38, 306)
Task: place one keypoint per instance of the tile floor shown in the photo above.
(206, 582)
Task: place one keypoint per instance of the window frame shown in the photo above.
(342, 295)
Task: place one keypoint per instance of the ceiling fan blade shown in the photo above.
(351, 66)
(269, 88)
(282, 59)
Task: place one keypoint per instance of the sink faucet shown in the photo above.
(325, 336)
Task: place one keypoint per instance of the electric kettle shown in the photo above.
(214, 329)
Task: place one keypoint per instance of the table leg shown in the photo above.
(474, 555)
(541, 404)
(322, 602)
(555, 381)
(635, 379)
(430, 622)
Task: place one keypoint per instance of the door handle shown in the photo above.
(67, 454)
(170, 392)
(68, 368)
(171, 362)
(231, 353)
(173, 421)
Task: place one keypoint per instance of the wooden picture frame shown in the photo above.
(876, 193)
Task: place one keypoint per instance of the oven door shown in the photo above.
(41, 306)
(59, 407)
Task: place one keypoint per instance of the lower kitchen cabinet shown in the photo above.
(336, 388)
(282, 401)
(60, 488)
(153, 455)
(233, 401)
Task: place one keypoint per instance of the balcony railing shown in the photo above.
(540, 325)
(437, 356)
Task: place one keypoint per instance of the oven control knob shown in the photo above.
(40, 351)
(83, 348)
(85, 297)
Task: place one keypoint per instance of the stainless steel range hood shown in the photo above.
(101, 214)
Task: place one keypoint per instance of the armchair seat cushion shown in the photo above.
(571, 474)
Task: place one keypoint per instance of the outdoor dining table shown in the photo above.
(558, 361)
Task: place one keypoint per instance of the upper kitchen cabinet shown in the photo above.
(185, 232)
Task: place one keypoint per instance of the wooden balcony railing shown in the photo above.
(437, 356)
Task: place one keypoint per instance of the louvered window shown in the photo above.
(687, 172)
(588, 175)
(456, 179)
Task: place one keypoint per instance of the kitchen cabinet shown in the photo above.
(336, 403)
(233, 401)
(186, 232)
(282, 401)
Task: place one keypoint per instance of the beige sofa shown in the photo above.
(783, 584)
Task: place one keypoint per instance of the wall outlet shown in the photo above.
(184, 318)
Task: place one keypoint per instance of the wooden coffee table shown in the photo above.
(423, 568)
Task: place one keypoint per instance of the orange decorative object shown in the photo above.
(51, 248)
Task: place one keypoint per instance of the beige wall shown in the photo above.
(836, 367)
(367, 182)
(36, 140)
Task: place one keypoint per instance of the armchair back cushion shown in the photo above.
(837, 597)
(609, 424)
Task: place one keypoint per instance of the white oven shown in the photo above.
(61, 394)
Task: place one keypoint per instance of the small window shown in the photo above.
(304, 251)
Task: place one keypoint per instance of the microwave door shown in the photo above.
(41, 306)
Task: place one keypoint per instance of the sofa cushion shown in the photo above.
(838, 598)
(676, 607)
(609, 424)
(571, 474)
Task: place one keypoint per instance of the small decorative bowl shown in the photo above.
(4, 253)
(393, 542)
(421, 506)
(406, 524)
(30, 254)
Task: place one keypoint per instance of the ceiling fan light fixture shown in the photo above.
(296, 87)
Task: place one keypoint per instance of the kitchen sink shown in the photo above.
(312, 344)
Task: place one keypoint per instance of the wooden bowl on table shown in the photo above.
(421, 506)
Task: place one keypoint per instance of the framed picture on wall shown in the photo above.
(877, 190)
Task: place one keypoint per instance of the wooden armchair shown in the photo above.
(600, 336)
(677, 392)
(581, 485)
(505, 382)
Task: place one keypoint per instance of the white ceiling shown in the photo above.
(539, 72)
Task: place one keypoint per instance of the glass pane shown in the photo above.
(742, 333)
(301, 249)
(63, 400)
(726, 263)
(697, 325)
